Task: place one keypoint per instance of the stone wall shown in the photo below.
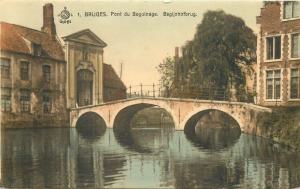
(283, 126)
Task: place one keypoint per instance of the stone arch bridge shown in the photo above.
(183, 111)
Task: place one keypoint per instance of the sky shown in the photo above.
(139, 43)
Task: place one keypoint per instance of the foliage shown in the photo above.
(223, 44)
(166, 71)
(218, 57)
(284, 126)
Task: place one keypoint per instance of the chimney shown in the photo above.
(48, 20)
(176, 52)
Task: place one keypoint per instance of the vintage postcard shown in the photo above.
(150, 94)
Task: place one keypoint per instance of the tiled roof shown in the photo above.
(16, 38)
(111, 79)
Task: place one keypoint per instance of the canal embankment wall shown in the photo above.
(282, 126)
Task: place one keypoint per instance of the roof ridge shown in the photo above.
(87, 29)
(22, 27)
(14, 38)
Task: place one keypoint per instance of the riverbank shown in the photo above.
(283, 126)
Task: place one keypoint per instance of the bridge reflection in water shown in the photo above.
(145, 157)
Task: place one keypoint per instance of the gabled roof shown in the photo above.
(85, 36)
(111, 79)
(16, 38)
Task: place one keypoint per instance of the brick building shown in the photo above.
(32, 75)
(278, 54)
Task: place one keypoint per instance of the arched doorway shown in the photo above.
(84, 87)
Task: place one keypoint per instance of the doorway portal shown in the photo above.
(84, 87)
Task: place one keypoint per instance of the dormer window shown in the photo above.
(36, 49)
(291, 9)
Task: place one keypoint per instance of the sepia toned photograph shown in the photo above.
(150, 94)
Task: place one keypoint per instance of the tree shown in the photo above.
(218, 57)
(166, 71)
(223, 46)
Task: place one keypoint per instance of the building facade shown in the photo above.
(84, 56)
(278, 54)
(89, 80)
(42, 78)
(33, 73)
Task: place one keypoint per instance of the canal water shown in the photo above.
(143, 158)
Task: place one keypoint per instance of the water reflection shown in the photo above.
(152, 158)
(213, 130)
(213, 138)
(91, 133)
(126, 140)
(143, 140)
(30, 157)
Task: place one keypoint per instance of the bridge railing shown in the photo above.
(142, 90)
(155, 91)
(206, 94)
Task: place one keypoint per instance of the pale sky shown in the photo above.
(141, 43)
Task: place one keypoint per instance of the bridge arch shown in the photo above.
(83, 114)
(193, 117)
(125, 113)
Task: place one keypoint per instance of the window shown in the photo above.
(46, 73)
(24, 70)
(5, 99)
(273, 84)
(46, 102)
(295, 83)
(25, 100)
(295, 46)
(37, 49)
(291, 9)
(273, 47)
(5, 68)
